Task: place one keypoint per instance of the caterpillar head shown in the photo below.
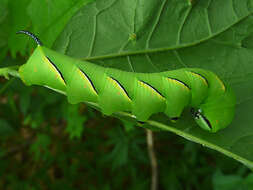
(215, 112)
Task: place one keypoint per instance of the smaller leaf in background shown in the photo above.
(5, 129)
(50, 17)
(75, 121)
(38, 118)
(5, 27)
(119, 154)
(62, 184)
(190, 151)
(25, 100)
(230, 182)
(40, 148)
(126, 147)
(18, 184)
(34, 120)
(249, 181)
(27, 120)
(169, 180)
(129, 126)
(18, 20)
(6, 71)
(3, 10)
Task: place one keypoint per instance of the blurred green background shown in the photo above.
(46, 143)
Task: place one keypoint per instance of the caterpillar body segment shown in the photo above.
(80, 88)
(40, 64)
(142, 94)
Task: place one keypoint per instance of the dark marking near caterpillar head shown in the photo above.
(201, 77)
(141, 122)
(152, 88)
(35, 38)
(197, 114)
(121, 87)
(56, 69)
(207, 121)
(89, 80)
(174, 118)
(193, 111)
(180, 82)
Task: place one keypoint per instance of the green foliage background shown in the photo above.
(46, 143)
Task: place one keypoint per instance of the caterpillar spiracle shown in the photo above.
(143, 94)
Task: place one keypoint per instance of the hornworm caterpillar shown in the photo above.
(142, 94)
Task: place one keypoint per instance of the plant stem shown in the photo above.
(153, 160)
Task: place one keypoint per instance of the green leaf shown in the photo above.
(25, 100)
(119, 154)
(45, 18)
(5, 128)
(5, 27)
(50, 17)
(40, 148)
(6, 71)
(228, 182)
(18, 19)
(75, 121)
(129, 126)
(210, 34)
(249, 181)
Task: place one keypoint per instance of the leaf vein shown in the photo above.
(155, 24)
(130, 63)
(175, 52)
(93, 36)
(182, 25)
(150, 61)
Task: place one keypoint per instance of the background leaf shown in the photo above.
(75, 121)
(49, 20)
(45, 18)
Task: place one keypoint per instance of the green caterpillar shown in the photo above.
(142, 94)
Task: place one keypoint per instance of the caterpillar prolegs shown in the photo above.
(142, 94)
